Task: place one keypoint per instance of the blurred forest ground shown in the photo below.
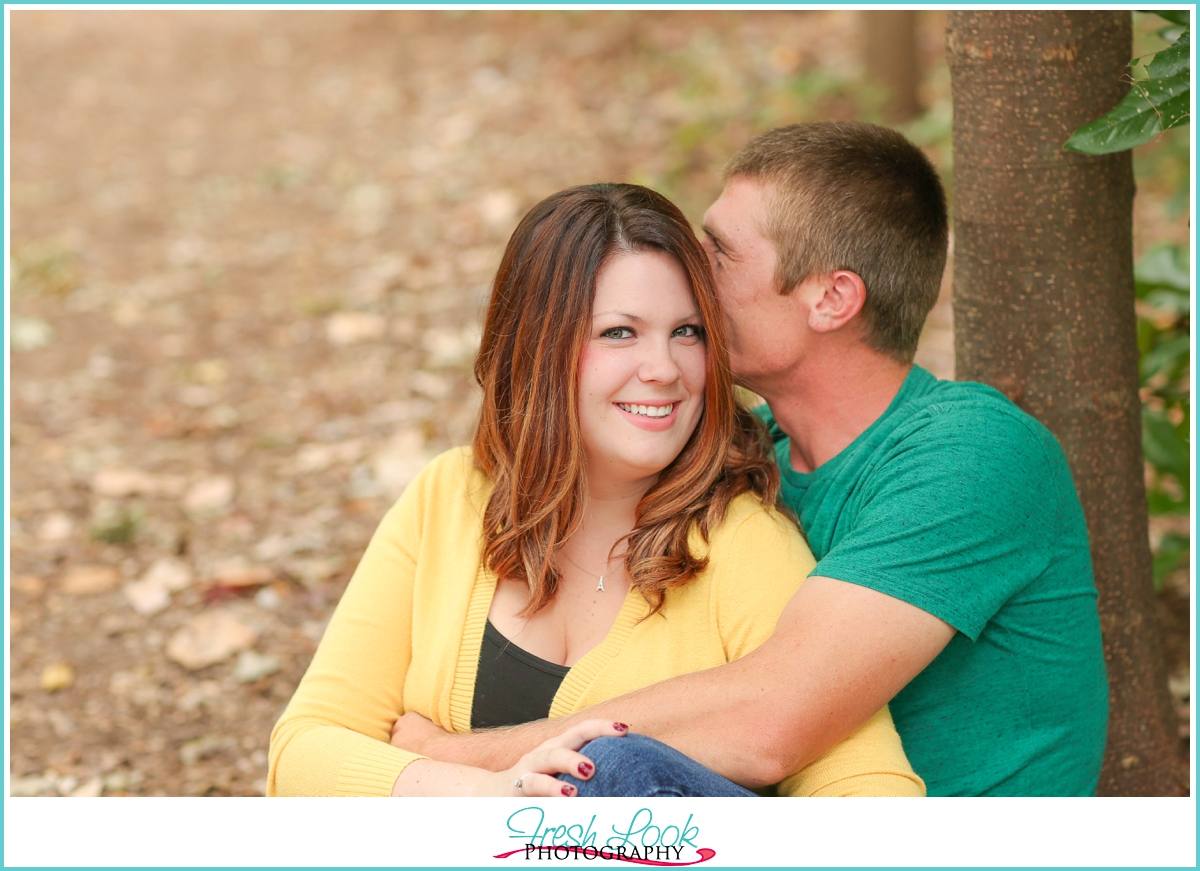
(249, 255)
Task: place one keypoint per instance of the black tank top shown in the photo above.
(512, 685)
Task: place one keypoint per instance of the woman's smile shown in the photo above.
(651, 416)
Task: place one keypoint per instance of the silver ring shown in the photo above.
(517, 782)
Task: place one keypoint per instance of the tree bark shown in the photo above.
(1044, 312)
(890, 59)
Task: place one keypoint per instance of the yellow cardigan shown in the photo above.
(407, 633)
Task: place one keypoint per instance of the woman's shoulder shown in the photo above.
(451, 475)
(454, 466)
(751, 528)
(747, 514)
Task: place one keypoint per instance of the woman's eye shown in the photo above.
(617, 333)
(689, 331)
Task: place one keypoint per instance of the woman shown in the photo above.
(610, 528)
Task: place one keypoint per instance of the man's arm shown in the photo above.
(838, 654)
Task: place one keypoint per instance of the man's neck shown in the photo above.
(826, 404)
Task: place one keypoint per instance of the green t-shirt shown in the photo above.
(958, 502)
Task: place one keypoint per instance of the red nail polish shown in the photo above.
(568, 791)
(585, 769)
(620, 727)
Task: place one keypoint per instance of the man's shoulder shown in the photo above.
(969, 414)
(960, 438)
(951, 399)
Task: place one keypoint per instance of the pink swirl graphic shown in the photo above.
(704, 852)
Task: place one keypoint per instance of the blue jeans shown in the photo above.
(640, 766)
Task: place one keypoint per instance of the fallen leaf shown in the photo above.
(210, 495)
(313, 570)
(153, 592)
(365, 208)
(211, 371)
(117, 483)
(318, 457)
(198, 395)
(34, 784)
(146, 598)
(268, 598)
(237, 572)
(58, 676)
(57, 526)
(499, 208)
(251, 666)
(209, 638)
(91, 788)
(29, 334)
(89, 580)
(204, 747)
(351, 328)
(447, 347)
(170, 573)
(29, 585)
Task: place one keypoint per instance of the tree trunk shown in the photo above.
(1044, 312)
(890, 59)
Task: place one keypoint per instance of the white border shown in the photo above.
(1145, 832)
(46, 832)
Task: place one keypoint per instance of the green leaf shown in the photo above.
(1173, 59)
(1165, 266)
(1175, 16)
(1149, 108)
(1171, 551)
(1177, 302)
(1175, 109)
(1158, 502)
(1170, 33)
(1146, 336)
(1169, 356)
(1164, 447)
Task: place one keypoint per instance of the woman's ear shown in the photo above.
(841, 297)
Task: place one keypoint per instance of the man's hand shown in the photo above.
(416, 733)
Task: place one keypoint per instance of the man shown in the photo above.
(953, 575)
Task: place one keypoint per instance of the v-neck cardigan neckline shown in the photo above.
(578, 679)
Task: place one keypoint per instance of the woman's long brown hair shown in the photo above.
(528, 442)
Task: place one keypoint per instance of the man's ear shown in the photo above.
(841, 295)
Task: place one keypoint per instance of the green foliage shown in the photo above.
(1172, 550)
(1175, 16)
(1155, 103)
(1164, 342)
(1163, 292)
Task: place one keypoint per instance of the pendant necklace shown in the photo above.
(599, 578)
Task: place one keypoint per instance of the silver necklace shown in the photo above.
(599, 578)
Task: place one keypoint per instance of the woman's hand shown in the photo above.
(537, 769)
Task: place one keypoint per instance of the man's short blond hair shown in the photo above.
(859, 197)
